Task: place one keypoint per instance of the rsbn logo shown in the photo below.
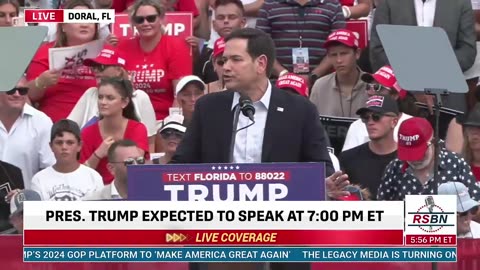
(430, 217)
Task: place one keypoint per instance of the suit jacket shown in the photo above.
(292, 135)
(454, 16)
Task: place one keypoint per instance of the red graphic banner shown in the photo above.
(212, 237)
(360, 27)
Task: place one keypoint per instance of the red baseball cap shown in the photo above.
(218, 47)
(385, 77)
(344, 36)
(294, 82)
(108, 56)
(414, 135)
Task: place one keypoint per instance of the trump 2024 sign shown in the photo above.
(227, 182)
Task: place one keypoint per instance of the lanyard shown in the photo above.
(300, 12)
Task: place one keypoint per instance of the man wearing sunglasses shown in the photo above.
(383, 82)
(467, 208)
(121, 154)
(24, 133)
(172, 133)
(412, 172)
(380, 115)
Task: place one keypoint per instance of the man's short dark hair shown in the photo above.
(237, 3)
(65, 125)
(258, 43)
(115, 145)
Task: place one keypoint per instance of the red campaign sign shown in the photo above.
(178, 24)
(361, 27)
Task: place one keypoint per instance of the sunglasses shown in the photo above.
(21, 90)
(99, 68)
(132, 161)
(171, 133)
(376, 87)
(141, 19)
(472, 211)
(374, 116)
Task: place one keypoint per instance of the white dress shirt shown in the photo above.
(27, 144)
(425, 12)
(249, 142)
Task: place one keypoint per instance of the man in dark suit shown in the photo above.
(287, 127)
(455, 17)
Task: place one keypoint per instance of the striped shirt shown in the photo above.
(286, 21)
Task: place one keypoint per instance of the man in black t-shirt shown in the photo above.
(10, 179)
(366, 163)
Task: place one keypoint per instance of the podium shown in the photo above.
(271, 181)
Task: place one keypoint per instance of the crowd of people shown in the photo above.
(70, 134)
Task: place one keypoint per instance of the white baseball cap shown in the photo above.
(464, 201)
(189, 79)
(173, 121)
(16, 202)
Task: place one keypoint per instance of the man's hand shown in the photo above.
(336, 184)
(112, 40)
(12, 193)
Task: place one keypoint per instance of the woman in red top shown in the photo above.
(8, 10)
(156, 61)
(58, 91)
(118, 121)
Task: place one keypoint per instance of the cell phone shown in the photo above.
(355, 194)
(18, 21)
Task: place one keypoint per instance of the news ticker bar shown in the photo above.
(240, 254)
(69, 15)
(215, 237)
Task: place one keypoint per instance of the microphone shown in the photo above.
(429, 203)
(246, 106)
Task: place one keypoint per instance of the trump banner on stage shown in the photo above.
(228, 182)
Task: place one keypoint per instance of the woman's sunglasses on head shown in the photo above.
(21, 90)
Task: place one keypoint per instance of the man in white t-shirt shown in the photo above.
(383, 82)
(467, 208)
(67, 179)
(121, 154)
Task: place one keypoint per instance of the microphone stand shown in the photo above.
(234, 133)
(437, 93)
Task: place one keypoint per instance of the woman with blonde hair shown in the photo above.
(110, 64)
(57, 91)
(157, 61)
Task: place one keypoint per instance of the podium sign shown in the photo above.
(227, 182)
(336, 128)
